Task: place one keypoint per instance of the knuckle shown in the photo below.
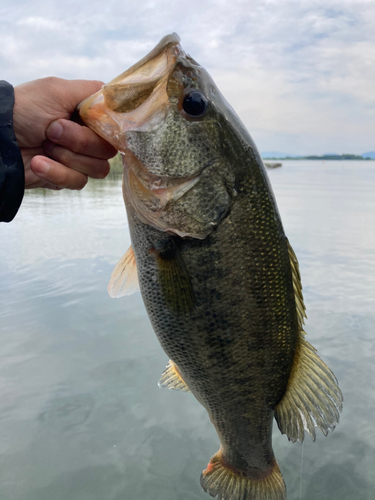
(51, 82)
(62, 155)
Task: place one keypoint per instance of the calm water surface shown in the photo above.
(81, 416)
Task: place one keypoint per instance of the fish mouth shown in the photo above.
(135, 100)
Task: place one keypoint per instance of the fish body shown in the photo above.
(217, 274)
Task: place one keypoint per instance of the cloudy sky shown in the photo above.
(301, 74)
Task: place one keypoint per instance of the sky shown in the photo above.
(300, 74)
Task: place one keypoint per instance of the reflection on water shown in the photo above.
(80, 411)
(68, 412)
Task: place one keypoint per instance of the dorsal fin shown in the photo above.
(124, 278)
(171, 379)
(312, 398)
(297, 286)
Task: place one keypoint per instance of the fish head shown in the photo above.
(169, 121)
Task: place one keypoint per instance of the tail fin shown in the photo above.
(228, 484)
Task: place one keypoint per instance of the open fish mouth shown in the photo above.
(135, 100)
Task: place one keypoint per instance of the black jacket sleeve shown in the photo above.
(12, 172)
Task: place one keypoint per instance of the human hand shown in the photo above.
(57, 153)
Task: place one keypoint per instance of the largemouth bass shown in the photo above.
(217, 274)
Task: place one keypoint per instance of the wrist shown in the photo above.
(23, 124)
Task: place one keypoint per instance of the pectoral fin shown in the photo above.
(171, 379)
(124, 278)
(175, 284)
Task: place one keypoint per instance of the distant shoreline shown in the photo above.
(324, 157)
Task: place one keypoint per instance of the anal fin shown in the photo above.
(171, 379)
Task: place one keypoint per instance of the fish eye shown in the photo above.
(195, 103)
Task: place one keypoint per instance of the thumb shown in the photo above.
(75, 91)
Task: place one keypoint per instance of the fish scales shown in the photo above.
(235, 350)
(218, 277)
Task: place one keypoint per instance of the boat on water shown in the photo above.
(273, 165)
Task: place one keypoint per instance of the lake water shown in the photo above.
(81, 415)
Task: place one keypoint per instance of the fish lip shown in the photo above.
(172, 40)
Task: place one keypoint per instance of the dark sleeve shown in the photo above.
(12, 172)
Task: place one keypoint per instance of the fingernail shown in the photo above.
(54, 131)
(42, 167)
(48, 145)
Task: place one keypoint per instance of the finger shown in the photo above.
(93, 167)
(31, 180)
(79, 139)
(56, 174)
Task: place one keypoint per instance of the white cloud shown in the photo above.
(41, 23)
(299, 73)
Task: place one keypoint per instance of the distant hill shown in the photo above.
(275, 155)
(370, 154)
(334, 157)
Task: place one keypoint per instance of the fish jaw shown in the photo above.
(136, 99)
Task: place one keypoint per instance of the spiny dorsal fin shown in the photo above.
(124, 278)
(312, 398)
(171, 379)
